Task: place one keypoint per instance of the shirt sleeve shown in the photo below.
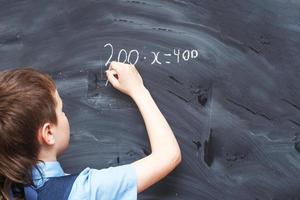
(113, 183)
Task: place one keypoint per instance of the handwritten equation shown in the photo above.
(155, 57)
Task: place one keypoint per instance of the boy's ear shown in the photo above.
(46, 135)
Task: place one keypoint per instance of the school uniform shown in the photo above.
(112, 183)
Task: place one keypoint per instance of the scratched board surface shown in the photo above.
(225, 74)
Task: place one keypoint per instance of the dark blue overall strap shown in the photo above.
(30, 193)
(57, 188)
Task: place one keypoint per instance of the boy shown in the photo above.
(34, 131)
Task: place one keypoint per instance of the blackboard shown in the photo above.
(225, 74)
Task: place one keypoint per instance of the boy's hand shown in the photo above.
(125, 78)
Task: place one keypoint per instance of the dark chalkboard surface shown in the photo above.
(225, 74)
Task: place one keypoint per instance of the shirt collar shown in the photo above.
(47, 170)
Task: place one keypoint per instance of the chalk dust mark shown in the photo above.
(162, 29)
(208, 144)
(294, 122)
(180, 97)
(291, 103)
(209, 150)
(248, 109)
(197, 143)
(203, 97)
(174, 79)
(137, 2)
(210, 106)
(297, 146)
(124, 21)
(10, 39)
(255, 50)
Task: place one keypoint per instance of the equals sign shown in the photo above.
(167, 54)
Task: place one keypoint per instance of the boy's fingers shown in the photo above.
(112, 79)
(114, 65)
(117, 65)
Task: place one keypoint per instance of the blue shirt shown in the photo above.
(118, 183)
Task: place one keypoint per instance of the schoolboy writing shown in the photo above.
(34, 132)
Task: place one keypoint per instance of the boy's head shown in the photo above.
(54, 137)
(33, 126)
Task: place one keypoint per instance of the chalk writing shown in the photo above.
(132, 56)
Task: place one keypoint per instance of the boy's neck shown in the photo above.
(48, 160)
(47, 156)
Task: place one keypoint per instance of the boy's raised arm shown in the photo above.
(165, 155)
(165, 152)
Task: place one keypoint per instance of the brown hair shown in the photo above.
(26, 103)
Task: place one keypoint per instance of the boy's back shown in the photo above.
(109, 183)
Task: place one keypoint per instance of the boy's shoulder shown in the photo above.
(119, 182)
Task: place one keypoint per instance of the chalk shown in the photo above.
(106, 82)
